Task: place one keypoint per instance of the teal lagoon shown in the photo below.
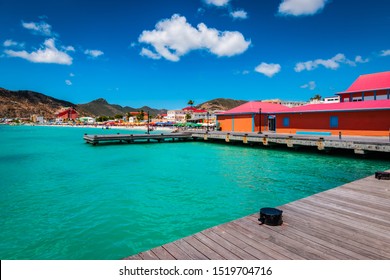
(61, 198)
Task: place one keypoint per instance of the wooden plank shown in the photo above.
(230, 244)
(337, 236)
(360, 222)
(162, 254)
(208, 252)
(253, 246)
(354, 209)
(216, 247)
(355, 196)
(148, 255)
(262, 245)
(190, 250)
(355, 232)
(298, 247)
(176, 252)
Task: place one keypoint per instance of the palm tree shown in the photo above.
(191, 102)
(316, 97)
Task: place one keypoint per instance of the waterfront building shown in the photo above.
(374, 86)
(252, 116)
(364, 110)
(67, 114)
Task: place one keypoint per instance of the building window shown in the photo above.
(334, 121)
(286, 122)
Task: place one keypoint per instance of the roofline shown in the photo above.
(311, 111)
(360, 91)
(335, 110)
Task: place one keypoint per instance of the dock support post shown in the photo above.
(245, 139)
(289, 142)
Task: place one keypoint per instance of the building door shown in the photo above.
(272, 123)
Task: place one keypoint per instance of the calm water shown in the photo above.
(63, 199)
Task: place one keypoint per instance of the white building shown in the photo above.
(333, 99)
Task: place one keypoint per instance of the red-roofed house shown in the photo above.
(374, 86)
(365, 118)
(368, 117)
(68, 114)
(246, 117)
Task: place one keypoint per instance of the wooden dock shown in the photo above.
(345, 223)
(359, 145)
(133, 138)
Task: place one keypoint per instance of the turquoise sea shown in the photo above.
(63, 199)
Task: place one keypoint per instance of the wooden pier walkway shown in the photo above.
(133, 138)
(348, 222)
(359, 145)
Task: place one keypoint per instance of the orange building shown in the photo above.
(364, 110)
(248, 117)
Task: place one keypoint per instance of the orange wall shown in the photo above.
(225, 123)
(242, 123)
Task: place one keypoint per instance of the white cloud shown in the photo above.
(239, 14)
(11, 43)
(310, 85)
(150, 54)
(71, 75)
(175, 37)
(332, 63)
(93, 53)
(68, 82)
(301, 7)
(359, 59)
(385, 53)
(69, 49)
(40, 28)
(268, 69)
(48, 53)
(219, 3)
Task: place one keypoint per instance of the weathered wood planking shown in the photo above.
(132, 138)
(348, 222)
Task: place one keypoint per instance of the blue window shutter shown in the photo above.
(334, 121)
(286, 121)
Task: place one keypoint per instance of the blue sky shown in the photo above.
(163, 53)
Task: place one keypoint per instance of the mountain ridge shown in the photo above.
(24, 103)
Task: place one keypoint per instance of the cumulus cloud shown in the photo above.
(93, 53)
(48, 53)
(239, 14)
(385, 53)
(71, 75)
(332, 63)
(39, 28)
(175, 37)
(69, 49)
(218, 3)
(301, 7)
(268, 69)
(11, 43)
(310, 85)
(150, 54)
(68, 82)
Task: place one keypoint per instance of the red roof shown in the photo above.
(369, 82)
(193, 109)
(254, 107)
(343, 106)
